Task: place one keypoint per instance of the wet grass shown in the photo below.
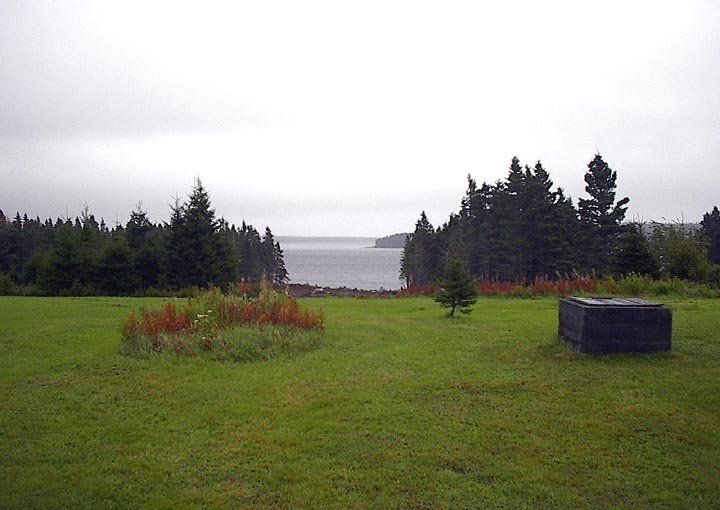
(398, 407)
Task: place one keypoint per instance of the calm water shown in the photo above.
(341, 262)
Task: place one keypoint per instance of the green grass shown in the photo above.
(398, 407)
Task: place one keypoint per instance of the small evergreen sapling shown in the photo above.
(457, 290)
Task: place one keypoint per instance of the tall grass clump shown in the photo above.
(224, 326)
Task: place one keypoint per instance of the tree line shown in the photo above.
(84, 256)
(523, 228)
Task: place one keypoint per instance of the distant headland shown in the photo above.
(392, 241)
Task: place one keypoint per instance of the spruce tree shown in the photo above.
(502, 228)
(512, 223)
(63, 265)
(137, 227)
(461, 229)
(407, 262)
(479, 265)
(454, 240)
(248, 252)
(272, 258)
(457, 289)
(115, 270)
(568, 228)
(711, 228)
(199, 235)
(633, 255)
(281, 274)
(465, 235)
(144, 241)
(176, 273)
(600, 215)
(10, 248)
(542, 221)
(90, 242)
(227, 258)
(147, 260)
(421, 256)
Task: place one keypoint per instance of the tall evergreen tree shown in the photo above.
(600, 215)
(711, 229)
(115, 269)
(138, 227)
(461, 229)
(227, 258)
(406, 263)
(421, 255)
(148, 260)
(542, 223)
(281, 274)
(10, 247)
(199, 235)
(63, 265)
(176, 270)
(466, 235)
(272, 258)
(479, 265)
(248, 250)
(267, 254)
(513, 227)
(568, 228)
(145, 245)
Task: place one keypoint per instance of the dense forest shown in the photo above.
(84, 256)
(522, 228)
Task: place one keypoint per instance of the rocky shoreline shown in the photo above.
(301, 290)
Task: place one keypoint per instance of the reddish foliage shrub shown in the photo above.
(539, 287)
(214, 311)
(543, 287)
(232, 311)
(167, 319)
(243, 288)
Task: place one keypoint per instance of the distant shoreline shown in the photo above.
(392, 241)
(305, 290)
(326, 238)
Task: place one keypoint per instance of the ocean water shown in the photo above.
(341, 262)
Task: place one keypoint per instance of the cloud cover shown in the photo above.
(325, 118)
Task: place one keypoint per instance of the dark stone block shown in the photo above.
(607, 325)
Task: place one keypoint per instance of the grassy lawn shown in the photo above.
(399, 407)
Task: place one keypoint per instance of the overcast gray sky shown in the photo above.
(341, 118)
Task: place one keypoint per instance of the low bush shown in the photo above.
(418, 290)
(643, 285)
(629, 285)
(8, 287)
(6, 284)
(226, 325)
